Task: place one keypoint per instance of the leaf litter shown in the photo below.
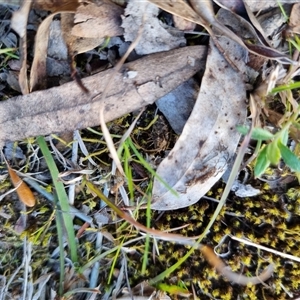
(214, 155)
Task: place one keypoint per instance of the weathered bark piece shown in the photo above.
(66, 107)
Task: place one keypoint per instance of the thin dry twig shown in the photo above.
(104, 128)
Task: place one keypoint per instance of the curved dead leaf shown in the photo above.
(56, 6)
(38, 68)
(225, 271)
(76, 44)
(204, 15)
(205, 10)
(247, 19)
(209, 139)
(24, 192)
(88, 16)
(19, 19)
(19, 24)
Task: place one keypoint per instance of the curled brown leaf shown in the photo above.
(24, 192)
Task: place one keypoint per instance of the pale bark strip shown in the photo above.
(67, 108)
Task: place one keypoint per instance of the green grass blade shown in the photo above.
(9, 52)
(148, 167)
(290, 159)
(112, 269)
(262, 162)
(258, 134)
(147, 240)
(291, 86)
(128, 171)
(171, 269)
(62, 198)
(59, 229)
(89, 264)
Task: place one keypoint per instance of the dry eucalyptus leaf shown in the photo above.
(98, 21)
(273, 21)
(66, 107)
(38, 69)
(19, 19)
(75, 44)
(209, 138)
(56, 6)
(204, 15)
(245, 16)
(19, 23)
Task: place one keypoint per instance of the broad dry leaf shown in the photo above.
(76, 44)
(98, 21)
(209, 138)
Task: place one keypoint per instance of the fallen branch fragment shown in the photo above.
(67, 108)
